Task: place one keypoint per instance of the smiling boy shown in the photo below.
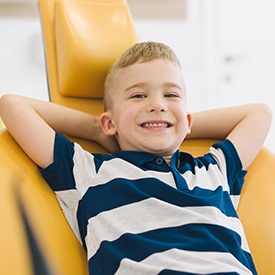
(147, 208)
(148, 109)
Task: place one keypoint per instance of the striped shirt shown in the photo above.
(135, 214)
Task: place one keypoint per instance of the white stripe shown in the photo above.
(84, 173)
(68, 201)
(108, 171)
(118, 168)
(84, 169)
(218, 155)
(149, 215)
(184, 261)
(166, 177)
(220, 158)
(209, 179)
(86, 176)
(235, 200)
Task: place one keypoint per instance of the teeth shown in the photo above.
(151, 125)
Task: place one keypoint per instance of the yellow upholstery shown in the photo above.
(82, 39)
(21, 180)
(90, 35)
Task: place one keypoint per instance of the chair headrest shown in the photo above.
(90, 35)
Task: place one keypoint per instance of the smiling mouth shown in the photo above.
(156, 125)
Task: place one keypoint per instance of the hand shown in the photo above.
(245, 126)
(96, 134)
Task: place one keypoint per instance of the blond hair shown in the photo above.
(138, 53)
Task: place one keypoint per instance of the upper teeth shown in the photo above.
(149, 125)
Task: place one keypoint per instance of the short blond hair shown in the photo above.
(138, 53)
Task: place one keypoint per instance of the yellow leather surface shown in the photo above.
(82, 39)
(14, 251)
(83, 64)
(257, 211)
(21, 180)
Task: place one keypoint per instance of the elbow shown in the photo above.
(6, 98)
(266, 111)
(265, 115)
(5, 101)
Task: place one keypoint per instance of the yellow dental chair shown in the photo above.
(82, 38)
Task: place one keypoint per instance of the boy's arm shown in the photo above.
(33, 123)
(245, 126)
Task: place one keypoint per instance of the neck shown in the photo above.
(167, 159)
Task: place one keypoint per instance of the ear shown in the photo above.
(190, 122)
(106, 124)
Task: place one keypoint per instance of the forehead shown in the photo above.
(156, 72)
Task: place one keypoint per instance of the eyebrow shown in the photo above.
(172, 85)
(137, 85)
(165, 85)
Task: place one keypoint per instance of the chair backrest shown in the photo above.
(24, 191)
(82, 38)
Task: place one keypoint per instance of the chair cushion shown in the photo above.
(89, 36)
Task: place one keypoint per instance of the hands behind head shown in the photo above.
(108, 142)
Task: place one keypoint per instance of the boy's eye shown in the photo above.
(171, 95)
(138, 96)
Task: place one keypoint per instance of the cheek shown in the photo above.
(124, 118)
(179, 112)
(182, 118)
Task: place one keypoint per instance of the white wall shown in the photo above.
(22, 69)
(214, 32)
(196, 40)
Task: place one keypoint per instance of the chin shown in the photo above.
(162, 151)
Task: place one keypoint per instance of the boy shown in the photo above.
(147, 208)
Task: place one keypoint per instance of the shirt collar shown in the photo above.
(140, 158)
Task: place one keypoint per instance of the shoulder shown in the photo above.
(222, 153)
(69, 155)
(229, 163)
(226, 150)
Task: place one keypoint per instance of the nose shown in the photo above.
(157, 104)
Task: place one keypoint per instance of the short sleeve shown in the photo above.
(230, 165)
(60, 177)
(59, 174)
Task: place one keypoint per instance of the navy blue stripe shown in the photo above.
(189, 163)
(59, 174)
(191, 237)
(120, 192)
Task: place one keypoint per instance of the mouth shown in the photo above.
(156, 125)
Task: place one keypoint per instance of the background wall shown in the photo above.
(226, 49)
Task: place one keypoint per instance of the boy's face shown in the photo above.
(148, 108)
